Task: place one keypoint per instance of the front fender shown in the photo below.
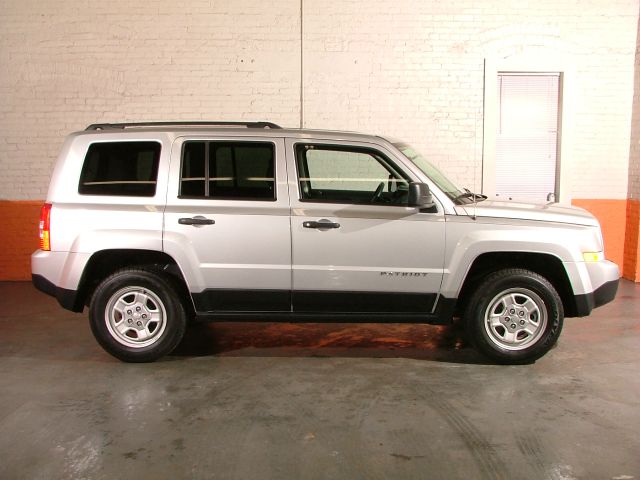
(468, 239)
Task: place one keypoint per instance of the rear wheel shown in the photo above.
(514, 316)
(136, 315)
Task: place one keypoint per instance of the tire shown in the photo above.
(514, 316)
(137, 316)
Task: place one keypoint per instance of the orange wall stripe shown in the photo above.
(620, 221)
(18, 237)
(612, 215)
(631, 266)
(613, 218)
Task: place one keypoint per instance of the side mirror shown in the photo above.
(420, 196)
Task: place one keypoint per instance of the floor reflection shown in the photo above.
(442, 343)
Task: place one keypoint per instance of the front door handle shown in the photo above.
(196, 221)
(324, 223)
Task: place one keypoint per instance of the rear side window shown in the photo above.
(228, 170)
(120, 168)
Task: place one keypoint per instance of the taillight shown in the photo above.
(45, 227)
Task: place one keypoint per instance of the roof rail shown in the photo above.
(122, 126)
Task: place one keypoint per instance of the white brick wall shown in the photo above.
(415, 70)
(408, 68)
(68, 64)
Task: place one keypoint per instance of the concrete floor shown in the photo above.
(268, 401)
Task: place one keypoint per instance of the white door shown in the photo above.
(227, 220)
(527, 137)
(356, 246)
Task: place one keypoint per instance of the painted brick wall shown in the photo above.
(72, 63)
(634, 151)
(631, 261)
(402, 67)
(19, 220)
(631, 264)
(415, 70)
(407, 68)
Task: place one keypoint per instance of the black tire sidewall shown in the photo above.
(160, 286)
(491, 287)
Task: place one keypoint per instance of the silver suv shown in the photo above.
(152, 224)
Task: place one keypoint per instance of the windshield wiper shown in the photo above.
(469, 194)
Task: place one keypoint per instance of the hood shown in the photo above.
(552, 212)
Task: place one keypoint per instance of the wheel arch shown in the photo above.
(106, 262)
(547, 265)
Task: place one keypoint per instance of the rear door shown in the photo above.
(227, 222)
(356, 245)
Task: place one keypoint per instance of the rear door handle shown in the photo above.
(196, 221)
(323, 223)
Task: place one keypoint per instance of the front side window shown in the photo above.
(349, 175)
(120, 168)
(228, 170)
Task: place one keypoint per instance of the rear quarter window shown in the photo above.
(121, 169)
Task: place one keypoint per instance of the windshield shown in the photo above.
(431, 171)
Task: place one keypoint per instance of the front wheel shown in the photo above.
(136, 315)
(514, 316)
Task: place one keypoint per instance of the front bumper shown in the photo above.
(601, 295)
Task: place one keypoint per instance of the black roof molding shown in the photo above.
(122, 126)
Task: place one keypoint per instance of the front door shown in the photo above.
(356, 245)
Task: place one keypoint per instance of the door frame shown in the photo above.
(538, 62)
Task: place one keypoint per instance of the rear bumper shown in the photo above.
(68, 299)
(601, 295)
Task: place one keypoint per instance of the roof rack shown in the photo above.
(122, 126)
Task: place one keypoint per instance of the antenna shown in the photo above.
(475, 163)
